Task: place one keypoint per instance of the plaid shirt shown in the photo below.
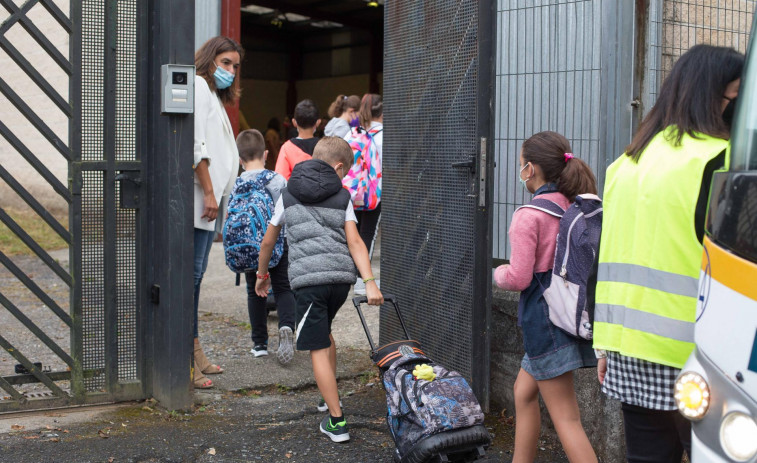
(641, 383)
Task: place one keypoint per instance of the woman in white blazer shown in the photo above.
(215, 162)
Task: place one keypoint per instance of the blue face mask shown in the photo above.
(523, 182)
(223, 78)
(355, 122)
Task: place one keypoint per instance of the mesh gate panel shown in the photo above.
(93, 279)
(109, 262)
(677, 25)
(126, 219)
(548, 78)
(92, 86)
(126, 292)
(427, 251)
(126, 81)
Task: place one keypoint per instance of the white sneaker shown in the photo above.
(285, 353)
(259, 350)
(322, 407)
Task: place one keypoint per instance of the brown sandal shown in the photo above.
(201, 381)
(205, 366)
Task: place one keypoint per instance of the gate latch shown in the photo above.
(470, 164)
(130, 183)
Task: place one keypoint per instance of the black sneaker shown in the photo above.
(259, 350)
(336, 432)
(322, 407)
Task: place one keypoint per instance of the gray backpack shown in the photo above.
(418, 408)
(570, 295)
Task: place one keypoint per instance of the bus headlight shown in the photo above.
(692, 395)
(738, 436)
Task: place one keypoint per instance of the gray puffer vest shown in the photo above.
(315, 204)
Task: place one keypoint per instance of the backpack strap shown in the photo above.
(546, 206)
(372, 133)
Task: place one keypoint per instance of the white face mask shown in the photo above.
(523, 182)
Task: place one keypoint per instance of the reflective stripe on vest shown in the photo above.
(645, 321)
(649, 258)
(649, 278)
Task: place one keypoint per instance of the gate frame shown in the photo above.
(484, 214)
(168, 296)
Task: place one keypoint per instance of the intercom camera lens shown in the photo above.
(179, 78)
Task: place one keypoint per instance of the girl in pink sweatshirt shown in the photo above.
(550, 172)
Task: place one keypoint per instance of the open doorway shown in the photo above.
(315, 49)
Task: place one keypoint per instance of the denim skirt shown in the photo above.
(550, 351)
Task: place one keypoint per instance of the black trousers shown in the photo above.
(655, 436)
(282, 292)
(367, 226)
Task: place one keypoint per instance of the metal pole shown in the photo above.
(482, 290)
(168, 145)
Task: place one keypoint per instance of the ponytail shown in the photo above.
(372, 107)
(551, 152)
(576, 178)
(342, 104)
(337, 107)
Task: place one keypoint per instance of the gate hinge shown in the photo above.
(155, 294)
(482, 174)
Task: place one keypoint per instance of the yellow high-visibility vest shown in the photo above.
(649, 256)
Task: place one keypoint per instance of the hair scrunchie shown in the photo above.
(568, 156)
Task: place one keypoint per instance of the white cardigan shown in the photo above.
(214, 141)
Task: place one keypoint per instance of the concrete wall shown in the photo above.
(601, 417)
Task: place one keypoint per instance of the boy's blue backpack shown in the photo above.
(570, 295)
(418, 409)
(249, 212)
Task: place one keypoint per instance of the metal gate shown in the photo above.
(107, 107)
(674, 26)
(590, 70)
(436, 221)
(548, 78)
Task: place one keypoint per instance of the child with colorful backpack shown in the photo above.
(363, 180)
(251, 206)
(555, 177)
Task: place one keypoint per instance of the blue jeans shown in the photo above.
(203, 241)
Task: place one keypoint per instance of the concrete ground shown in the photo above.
(258, 411)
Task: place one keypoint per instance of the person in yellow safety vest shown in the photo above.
(655, 202)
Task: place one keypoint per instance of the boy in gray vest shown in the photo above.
(324, 249)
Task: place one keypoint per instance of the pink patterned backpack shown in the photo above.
(364, 177)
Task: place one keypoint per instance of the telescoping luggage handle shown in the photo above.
(387, 298)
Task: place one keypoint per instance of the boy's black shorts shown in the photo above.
(316, 307)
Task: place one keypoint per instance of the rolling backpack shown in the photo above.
(364, 177)
(418, 408)
(432, 413)
(249, 212)
(570, 295)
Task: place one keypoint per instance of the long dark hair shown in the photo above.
(205, 66)
(571, 175)
(691, 97)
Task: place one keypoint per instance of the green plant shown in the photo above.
(35, 227)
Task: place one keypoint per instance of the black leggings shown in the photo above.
(367, 226)
(655, 436)
(256, 305)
